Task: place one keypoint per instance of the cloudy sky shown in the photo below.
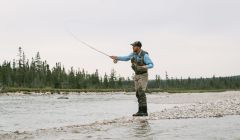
(183, 37)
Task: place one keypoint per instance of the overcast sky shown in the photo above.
(183, 37)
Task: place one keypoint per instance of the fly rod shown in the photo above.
(86, 44)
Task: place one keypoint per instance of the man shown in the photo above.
(141, 62)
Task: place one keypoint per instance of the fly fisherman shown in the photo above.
(141, 62)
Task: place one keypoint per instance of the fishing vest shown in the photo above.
(138, 60)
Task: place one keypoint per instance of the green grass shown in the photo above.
(67, 91)
(52, 90)
(188, 90)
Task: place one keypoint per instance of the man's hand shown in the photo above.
(141, 68)
(113, 57)
(145, 67)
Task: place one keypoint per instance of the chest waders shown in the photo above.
(138, 60)
(140, 81)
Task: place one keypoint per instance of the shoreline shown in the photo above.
(48, 91)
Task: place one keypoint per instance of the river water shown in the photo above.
(225, 128)
(33, 112)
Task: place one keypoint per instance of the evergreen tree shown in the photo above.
(105, 81)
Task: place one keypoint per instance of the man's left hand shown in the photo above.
(141, 67)
(144, 67)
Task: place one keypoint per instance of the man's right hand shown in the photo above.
(113, 57)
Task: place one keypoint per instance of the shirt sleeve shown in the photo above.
(148, 61)
(125, 58)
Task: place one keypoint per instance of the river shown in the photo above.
(31, 116)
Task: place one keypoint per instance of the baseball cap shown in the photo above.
(137, 43)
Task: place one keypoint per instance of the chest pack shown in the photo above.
(138, 60)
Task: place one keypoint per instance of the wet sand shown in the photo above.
(186, 106)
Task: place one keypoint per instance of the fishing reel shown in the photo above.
(115, 61)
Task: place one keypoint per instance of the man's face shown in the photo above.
(136, 49)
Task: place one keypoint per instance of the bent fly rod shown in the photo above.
(86, 44)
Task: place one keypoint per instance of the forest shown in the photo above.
(36, 73)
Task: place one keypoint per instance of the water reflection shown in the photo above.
(142, 129)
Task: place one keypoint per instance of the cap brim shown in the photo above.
(133, 44)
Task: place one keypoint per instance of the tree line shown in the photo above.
(230, 82)
(36, 73)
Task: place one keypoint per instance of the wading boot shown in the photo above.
(142, 112)
(139, 110)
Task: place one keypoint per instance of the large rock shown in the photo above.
(62, 97)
